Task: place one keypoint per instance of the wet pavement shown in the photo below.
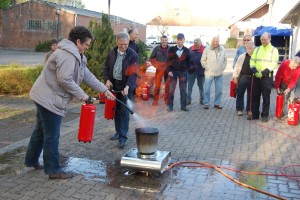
(218, 144)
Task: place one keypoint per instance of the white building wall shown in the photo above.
(206, 33)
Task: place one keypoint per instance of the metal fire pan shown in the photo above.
(158, 164)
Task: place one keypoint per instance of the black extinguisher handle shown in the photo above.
(116, 91)
(89, 101)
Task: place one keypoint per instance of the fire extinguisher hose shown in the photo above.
(118, 100)
(123, 104)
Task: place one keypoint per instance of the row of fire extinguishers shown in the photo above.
(88, 113)
(293, 109)
(143, 91)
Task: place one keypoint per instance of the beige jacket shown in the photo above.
(214, 61)
(61, 77)
(238, 65)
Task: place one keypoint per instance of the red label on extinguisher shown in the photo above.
(293, 114)
(145, 95)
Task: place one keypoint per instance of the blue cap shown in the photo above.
(180, 35)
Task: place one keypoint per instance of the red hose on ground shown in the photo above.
(208, 165)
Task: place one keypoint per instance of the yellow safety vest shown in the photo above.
(264, 57)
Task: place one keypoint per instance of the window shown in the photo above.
(241, 34)
(50, 25)
(34, 24)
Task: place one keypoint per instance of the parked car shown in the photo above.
(152, 40)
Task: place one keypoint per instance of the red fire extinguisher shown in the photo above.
(102, 98)
(232, 89)
(86, 122)
(293, 114)
(110, 107)
(146, 92)
(279, 105)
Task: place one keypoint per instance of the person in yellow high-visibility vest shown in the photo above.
(263, 62)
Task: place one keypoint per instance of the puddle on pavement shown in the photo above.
(112, 174)
(210, 182)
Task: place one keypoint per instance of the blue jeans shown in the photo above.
(191, 80)
(45, 136)
(218, 89)
(182, 76)
(243, 85)
(122, 118)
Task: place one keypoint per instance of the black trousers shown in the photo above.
(261, 87)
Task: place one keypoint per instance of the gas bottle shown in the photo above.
(232, 89)
(279, 105)
(146, 92)
(293, 114)
(110, 107)
(102, 98)
(86, 122)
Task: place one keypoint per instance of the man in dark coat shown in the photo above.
(119, 73)
(159, 59)
(178, 57)
(195, 70)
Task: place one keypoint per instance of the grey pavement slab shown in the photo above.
(218, 137)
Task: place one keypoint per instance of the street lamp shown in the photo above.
(109, 9)
(58, 12)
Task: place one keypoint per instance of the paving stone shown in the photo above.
(214, 136)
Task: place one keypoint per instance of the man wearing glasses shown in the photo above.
(119, 73)
(262, 63)
(241, 49)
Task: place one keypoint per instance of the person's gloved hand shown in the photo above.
(265, 72)
(254, 70)
(258, 75)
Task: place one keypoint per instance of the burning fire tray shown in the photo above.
(157, 162)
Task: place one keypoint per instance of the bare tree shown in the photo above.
(161, 26)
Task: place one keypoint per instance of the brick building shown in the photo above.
(24, 25)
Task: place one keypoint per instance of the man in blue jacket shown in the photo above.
(241, 49)
(195, 70)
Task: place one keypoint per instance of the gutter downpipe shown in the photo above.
(75, 19)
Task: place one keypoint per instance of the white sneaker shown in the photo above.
(239, 113)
